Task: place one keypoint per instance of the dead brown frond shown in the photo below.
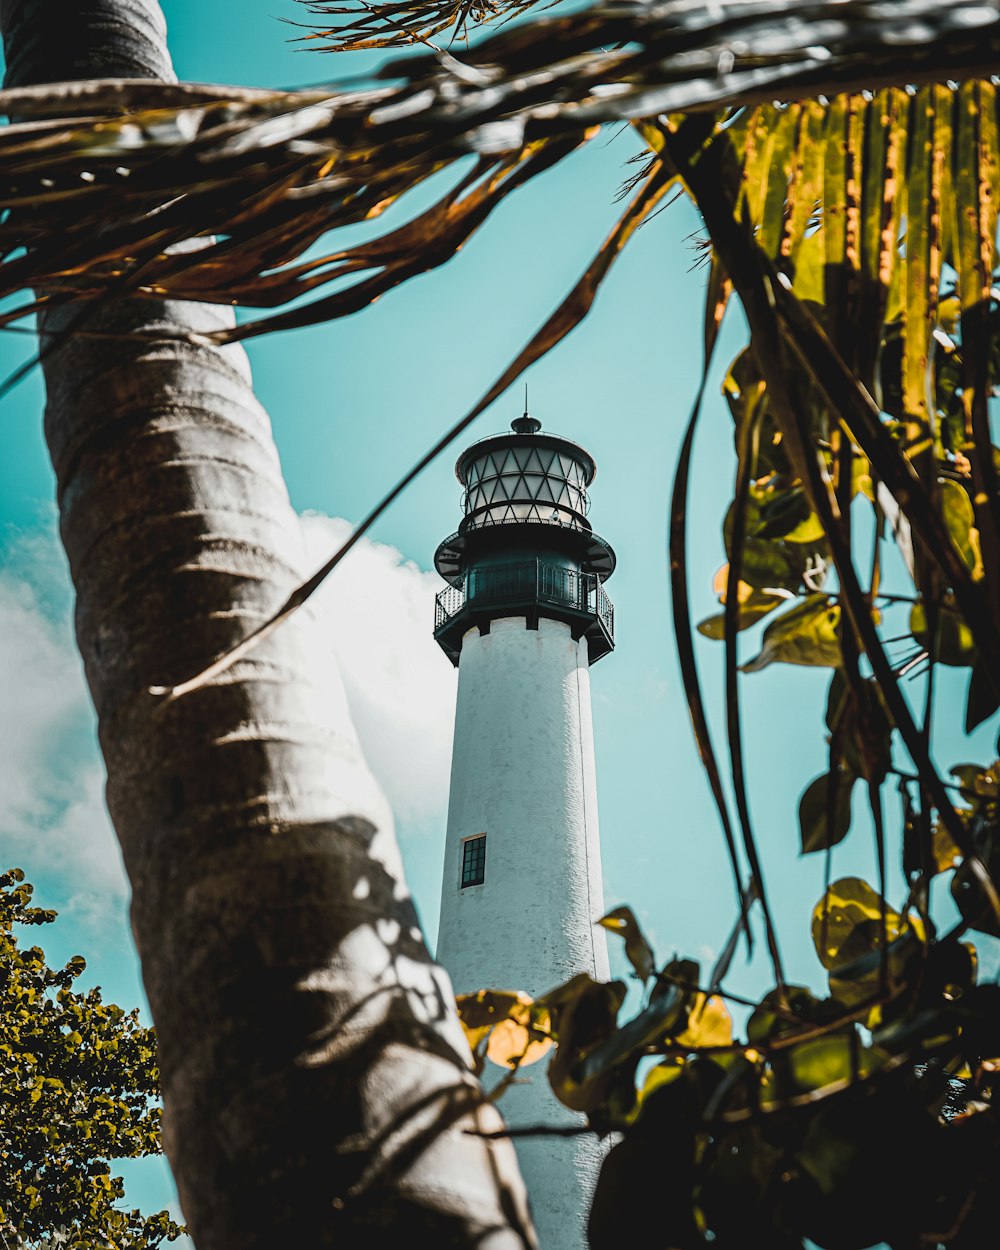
(216, 193)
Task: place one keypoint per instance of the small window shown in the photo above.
(474, 861)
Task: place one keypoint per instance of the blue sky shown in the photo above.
(353, 404)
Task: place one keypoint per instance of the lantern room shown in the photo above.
(524, 546)
(541, 479)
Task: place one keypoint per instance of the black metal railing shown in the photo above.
(528, 581)
(450, 601)
(602, 607)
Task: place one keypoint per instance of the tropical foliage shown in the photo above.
(859, 234)
(851, 1118)
(79, 1089)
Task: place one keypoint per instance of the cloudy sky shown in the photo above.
(400, 686)
(354, 404)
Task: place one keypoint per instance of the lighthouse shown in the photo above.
(523, 617)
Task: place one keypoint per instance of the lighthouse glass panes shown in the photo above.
(526, 482)
(474, 861)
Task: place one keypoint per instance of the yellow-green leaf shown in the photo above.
(516, 1028)
(709, 1024)
(808, 634)
(637, 949)
(960, 518)
(847, 904)
(955, 645)
(751, 610)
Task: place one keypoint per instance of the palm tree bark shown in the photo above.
(316, 1084)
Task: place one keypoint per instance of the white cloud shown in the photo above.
(400, 686)
(378, 609)
(53, 822)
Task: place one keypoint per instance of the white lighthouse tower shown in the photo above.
(523, 618)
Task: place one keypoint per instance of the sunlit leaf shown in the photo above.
(802, 250)
(845, 921)
(955, 644)
(709, 1024)
(516, 1029)
(921, 261)
(822, 1063)
(786, 514)
(482, 1010)
(516, 1042)
(865, 945)
(752, 609)
(980, 786)
(961, 521)
(661, 1074)
(807, 634)
(744, 591)
(809, 531)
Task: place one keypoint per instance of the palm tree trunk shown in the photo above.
(316, 1084)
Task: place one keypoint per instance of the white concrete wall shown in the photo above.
(523, 773)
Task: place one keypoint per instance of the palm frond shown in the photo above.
(362, 25)
(570, 312)
(216, 193)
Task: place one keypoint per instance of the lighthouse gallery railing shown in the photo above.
(528, 580)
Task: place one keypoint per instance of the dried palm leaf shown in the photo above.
(216, 193)
(404, 22)
(567, 317)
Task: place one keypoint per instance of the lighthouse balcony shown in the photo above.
(528, 588)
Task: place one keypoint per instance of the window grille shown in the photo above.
(474, 861)
(526, 482)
